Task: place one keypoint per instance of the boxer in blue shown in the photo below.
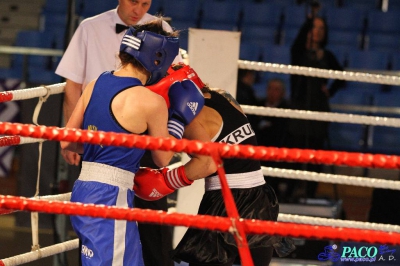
(118, 101)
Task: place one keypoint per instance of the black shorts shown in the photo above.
(218, 248)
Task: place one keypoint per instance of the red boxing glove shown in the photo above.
(152, 184)
(176, 72)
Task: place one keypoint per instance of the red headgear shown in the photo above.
(176, 72)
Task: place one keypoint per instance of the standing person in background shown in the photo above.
(92, 50)
(310, 93)
(245, 91)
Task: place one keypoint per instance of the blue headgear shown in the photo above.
(148, 48)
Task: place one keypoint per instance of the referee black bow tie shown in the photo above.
(120, 28)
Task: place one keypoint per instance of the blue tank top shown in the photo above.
(98, 116)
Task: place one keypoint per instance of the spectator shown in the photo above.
(245, 92)
(272, 132)
(92, 50)
(310, 93)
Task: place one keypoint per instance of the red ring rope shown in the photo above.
(10, 140)
(200, 221)
(207, 148)
(6, 96)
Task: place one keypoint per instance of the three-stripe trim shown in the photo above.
(175, 128)
(132, 41)
(174, 180)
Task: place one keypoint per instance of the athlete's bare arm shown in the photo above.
(76, 121)
(202, 128)
(72, 92)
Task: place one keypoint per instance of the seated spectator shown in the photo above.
(271, 130)
(245, 92)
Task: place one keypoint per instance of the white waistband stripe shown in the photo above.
(242, 180)
(106, 174)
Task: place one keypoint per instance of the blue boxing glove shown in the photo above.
(186, 101)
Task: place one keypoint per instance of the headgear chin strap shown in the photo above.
(154, 51)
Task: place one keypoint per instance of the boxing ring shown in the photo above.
(288, 225)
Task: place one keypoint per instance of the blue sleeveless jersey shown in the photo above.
(99, 117)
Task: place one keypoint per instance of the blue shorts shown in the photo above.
(106, 241)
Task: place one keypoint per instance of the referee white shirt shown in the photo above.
(94, 48)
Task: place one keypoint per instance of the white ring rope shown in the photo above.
(253, 65)
(41, 253)
(331, 178)
(256, 110)
(322, 116)
(37, 91)
(58, 197)
(320, 73)
(293, 174)
(337, 223)
(28, 140)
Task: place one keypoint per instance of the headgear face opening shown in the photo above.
(154, 51)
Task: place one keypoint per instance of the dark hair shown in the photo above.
(205, 89)
(155, 26)
(177, 67)
(243, 72)
(127, 59)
